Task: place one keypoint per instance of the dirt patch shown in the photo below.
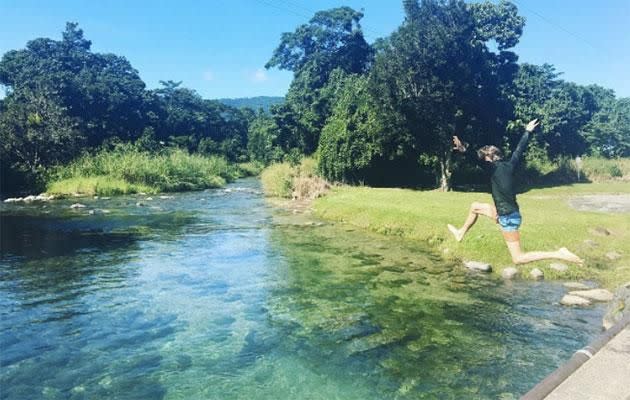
(610, 203)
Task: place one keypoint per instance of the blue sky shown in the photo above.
(220, 47)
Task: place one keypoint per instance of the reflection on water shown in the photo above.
(212, 295)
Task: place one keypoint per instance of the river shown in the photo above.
(218, 295)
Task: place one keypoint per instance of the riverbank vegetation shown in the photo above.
(127, 169)
(298, 182)
(379, 114)
(549, 223)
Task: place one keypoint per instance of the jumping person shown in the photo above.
(505, 210)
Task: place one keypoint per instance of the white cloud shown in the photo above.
(260, 75)
(208, 75)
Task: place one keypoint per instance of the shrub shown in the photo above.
(296, 182)
(277, 180)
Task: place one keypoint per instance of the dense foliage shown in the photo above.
(63, 99)
(381, 113)
(388, 118)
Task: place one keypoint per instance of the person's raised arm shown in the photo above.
(517, 155)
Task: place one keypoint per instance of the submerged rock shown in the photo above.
(478, 266)
(77, 205)
(30, 199)
(593, 294)
(576, 285)
(510, 273)
(537, 274)
(571, 300)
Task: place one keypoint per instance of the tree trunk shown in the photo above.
(446, 172)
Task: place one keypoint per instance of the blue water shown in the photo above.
(218, 295)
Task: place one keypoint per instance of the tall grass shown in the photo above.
(294, 181)
(129, 170)
(598, 169)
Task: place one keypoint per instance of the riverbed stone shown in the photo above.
(560, 267)
(536, 274)
(13, 200)
(510, 273)
(593, 294)
(77, 205)
(576, 285)
(571, 300)
(478, 266)
(613, 255)
(618, 307)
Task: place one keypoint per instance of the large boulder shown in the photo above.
(618, 307)
(593, 294)
(571, 300)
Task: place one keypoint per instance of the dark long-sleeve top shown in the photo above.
(502, 179)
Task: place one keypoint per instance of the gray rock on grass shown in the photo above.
(537, 274)
(560, 267)
(510, 273)
(599, 231)
(478, 266)
(613, 255)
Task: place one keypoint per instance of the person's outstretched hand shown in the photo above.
(532, 125)
(459, 145)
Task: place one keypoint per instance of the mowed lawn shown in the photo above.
(548, 223)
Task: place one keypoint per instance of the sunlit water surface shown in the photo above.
(216, 295)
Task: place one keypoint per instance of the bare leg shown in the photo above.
(476, 209)
(512, 239)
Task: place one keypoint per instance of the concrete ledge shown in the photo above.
(592, 374)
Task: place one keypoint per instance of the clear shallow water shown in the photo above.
(214, 295)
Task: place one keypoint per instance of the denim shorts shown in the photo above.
(510, 222)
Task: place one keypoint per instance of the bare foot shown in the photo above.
(569, 256)
(456, 232)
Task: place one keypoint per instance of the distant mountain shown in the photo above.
(264, 102)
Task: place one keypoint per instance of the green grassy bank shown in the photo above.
(548, 223)
(128, 170)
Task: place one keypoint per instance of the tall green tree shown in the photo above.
(438, 78)
(35, 131)
(102, 91)
(332, 39)
(563, 107)
(608, 131)
(350, 141)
